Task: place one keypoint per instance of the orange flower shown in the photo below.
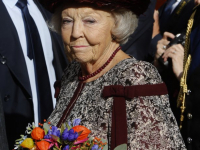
(37, 133)
(84, 134)
(42, 145)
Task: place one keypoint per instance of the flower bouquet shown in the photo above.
(71, 136)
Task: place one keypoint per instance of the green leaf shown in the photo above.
(66, 142)
(59, 141)
(79, 133)
(84, 148)
(62, 128)
(90, 139)
(45, 131)
(46, 126)
(54, 137)
(55, 148)
(104, 141)
(121, 147)
(18, 140)
(106, 147)
(68, 127)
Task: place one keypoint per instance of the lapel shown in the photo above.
(11, 50)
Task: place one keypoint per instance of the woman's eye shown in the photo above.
(90, 21)
(66, 21)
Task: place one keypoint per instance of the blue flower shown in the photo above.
(54, 131)
(75, 135)
(65, 134)
(71, 131)
(66, 147)
(69, 124)
(69, 135)
(47, 136)
(72, 135)
(95, 147)
(76, 122)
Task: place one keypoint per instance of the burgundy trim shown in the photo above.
(134, 91)
(120, 93)
(71, 104)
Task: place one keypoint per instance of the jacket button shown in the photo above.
(188, 92)
(189, 115)
(189, 140)
(6, 98)
(3, 60)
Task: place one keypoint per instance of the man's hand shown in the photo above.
(161, 47)
(197, 2)
(176, 53)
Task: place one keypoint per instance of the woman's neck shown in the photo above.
(89, 68)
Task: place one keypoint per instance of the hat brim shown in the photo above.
(136, 6)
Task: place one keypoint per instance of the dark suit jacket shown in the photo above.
(14, 81)
(191, 130)
(139, 41)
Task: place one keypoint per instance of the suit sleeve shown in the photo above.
(153, 46)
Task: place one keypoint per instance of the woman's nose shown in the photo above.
(77, 30)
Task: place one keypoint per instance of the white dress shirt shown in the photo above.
(175, 5)
(16, 16)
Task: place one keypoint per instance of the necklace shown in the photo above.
(83, 78)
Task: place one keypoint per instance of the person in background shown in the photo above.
(31, 59)
(187, 71)
(172, 17)
(138, 43)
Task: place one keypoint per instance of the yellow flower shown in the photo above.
(27, 143)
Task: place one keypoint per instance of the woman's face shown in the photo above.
(86, 33)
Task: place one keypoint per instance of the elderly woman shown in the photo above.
(117, 97)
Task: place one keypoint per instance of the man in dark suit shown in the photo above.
(172, 17)
(189, 77)
(139, 41)
(3, 137)
(190, 130)
(19, 78)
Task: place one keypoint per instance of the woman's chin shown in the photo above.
(82, 60)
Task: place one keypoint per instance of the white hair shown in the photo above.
(125, 24)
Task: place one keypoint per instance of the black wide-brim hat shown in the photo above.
(136, 6)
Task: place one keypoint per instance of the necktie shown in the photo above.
(35, 52)
(167, 12)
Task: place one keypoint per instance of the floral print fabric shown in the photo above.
(151, 123)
